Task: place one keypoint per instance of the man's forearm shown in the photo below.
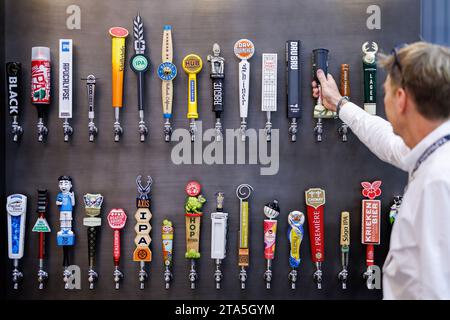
(376, 133)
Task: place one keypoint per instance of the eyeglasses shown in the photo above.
(397, 64)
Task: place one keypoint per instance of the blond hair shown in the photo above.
(425, 74)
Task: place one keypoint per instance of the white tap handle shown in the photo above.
(218, 234)
(16, 207)
(269, 82)
(244, 83)
(65, 78)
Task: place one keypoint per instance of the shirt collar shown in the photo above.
(412, 157)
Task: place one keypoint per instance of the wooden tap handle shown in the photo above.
(345, 80)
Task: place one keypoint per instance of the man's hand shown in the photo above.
(329, 89)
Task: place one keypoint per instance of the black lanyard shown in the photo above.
(429, 151)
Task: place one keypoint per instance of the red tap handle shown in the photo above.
(370, 255)
(116, 247)
(315, 202)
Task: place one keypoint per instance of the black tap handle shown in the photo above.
(293, 49)
(92, 244)
(217, 96)
(139, 64)
(140, 93)
(14, 86)
(90, 85)
(320, 61)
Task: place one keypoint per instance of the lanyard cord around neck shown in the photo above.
(429, 151)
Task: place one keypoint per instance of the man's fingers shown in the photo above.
(316, 93)
(321, 76)
(330, 77)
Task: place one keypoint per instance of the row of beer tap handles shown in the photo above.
(192, 64)
(315, 202)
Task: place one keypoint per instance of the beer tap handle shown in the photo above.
(16, 208)
(192, 64)
(218, 237)
(370, 76)
(269, 89)
(243, 193)
(116, 220)
(193, 214)
(90, 86)
(244, 50)
(117, 274)
(271, 211)
(315, 202)
(345, 247)
(14, 89)
(293, 84)
(93, 203)
(41, 227)
(296, 219)
(370, 226)
(92, 241)
(139, 64)
(65, 85)
(167, 71)
(167, 249)
(217, 76)
(142, 253)
(118, 36)
(345, 92)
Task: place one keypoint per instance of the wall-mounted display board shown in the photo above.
(111, 168)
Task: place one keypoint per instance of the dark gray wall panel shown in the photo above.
(110, 168)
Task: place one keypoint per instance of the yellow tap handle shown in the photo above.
(118, 35)
(192, 64)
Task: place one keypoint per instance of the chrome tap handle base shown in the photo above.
(42, 130)
(167, 277)
(343, 132)
(293, 129)
(192, 129)
(167, 130)
(67, 129)
(317, 276)
(16, 130)
(243, 277)
(118, 275)
(92, 278)
(66, 277)
(118, 131)
(243, 129)
(293, 278)
(343, 276)
(93, 131)
(143, 131)
(268, 130)
(142, 276)
(268, 274)
(369, 276)
(16, 278)
(218, 128)
(318, 130)
(42, 277)
(218, 275)
(193, 274)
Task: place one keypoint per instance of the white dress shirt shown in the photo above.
(418, 263)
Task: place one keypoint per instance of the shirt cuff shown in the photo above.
(350, 112)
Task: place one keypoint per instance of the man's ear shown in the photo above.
(402, 105)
